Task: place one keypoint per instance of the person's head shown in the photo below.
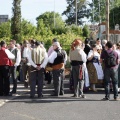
(87, 41)
(12, 44)
(37, 43)
(54, 40)
(104, 42)
(25, 43)
(3, 44)
(118, 45)
(56, 45)
(109, 44)
(98, 41)
(114, 47)
(76, 43)
(94, 47)
(32, 42)
(18, 46)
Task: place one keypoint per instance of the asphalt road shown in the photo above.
(21, 107)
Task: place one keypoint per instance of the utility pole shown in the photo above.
(76, 12)
(54, 13)
(107, 20)
(99, 35)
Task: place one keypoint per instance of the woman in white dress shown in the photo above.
(94, 68)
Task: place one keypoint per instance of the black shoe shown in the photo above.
(75, 96)
(13, 91)
(40, 96)
(105, 99)
(54, 95)
(61, 93)
(31, 97)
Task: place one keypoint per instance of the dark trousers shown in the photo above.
(4, 80)
(48, 76)
(78, 84)
(119, 76)
(36, 76)
(111, 73)
(58, 77)
(13, 73)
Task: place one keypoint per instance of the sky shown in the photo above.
(33, 8)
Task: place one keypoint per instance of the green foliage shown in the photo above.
(48, 20)
(114, 17)
(27, 29)
(102, 14)
(16, 20)
(86, 31)
(82, 11)
(5, 30)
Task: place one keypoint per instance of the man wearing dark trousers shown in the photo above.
(57, 60)
(110, 58)
(38, 59)
(5, 63)
(15, 63)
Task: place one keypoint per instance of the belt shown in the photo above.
(38, 64)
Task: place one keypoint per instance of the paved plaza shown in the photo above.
(21, 107)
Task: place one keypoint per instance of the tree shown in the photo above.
(86, 31)
(98, 9)
(42, 29)
(82, 11)
(48, 20)
(27, 29)
(5, 31)
(114, 17)
(16, 20)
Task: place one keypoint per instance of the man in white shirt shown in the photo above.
(58, 60)
(15, 63)
(38, 59)
(25, 51)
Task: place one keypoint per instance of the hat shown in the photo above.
(57, 44)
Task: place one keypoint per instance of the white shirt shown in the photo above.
(9, 54)
(18, 59)
(43, 65)
(54, 55)
(95, 54)
(26, 52)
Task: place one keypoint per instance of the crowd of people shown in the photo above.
(30, 62)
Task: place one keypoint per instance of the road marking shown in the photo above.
(24, 115)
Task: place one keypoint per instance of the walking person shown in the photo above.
(38, 59)
(57, 60)
(77, 58)
(110, 58)
(15, 64)
(5, 63)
